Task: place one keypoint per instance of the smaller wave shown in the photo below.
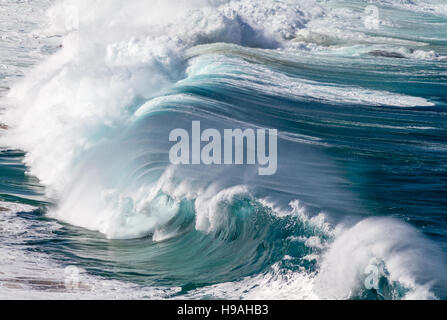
(435, 7)
(410, 263)
(261, 78)
(404, 260)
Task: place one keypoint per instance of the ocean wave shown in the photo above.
(92, 118)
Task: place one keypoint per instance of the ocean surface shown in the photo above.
(90, 206)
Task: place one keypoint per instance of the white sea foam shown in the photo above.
(19, 39)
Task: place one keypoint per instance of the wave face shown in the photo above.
(358, 99)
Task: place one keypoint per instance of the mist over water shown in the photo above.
(357, 94)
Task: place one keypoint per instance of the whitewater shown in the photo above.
(90, 90)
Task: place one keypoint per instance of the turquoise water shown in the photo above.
(361, 114)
